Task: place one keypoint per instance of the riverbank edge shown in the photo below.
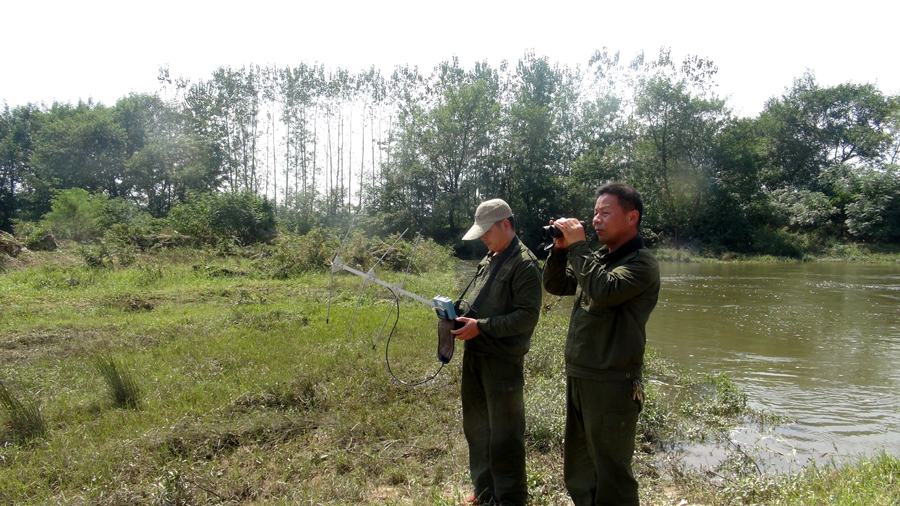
(840, 253)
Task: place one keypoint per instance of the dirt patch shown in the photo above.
(208, 440)
(130, 302)
(9, 245)
(41, 343)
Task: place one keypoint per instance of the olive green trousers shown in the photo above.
(494, 425)
(601, 420)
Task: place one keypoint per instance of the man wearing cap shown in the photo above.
(506, 301)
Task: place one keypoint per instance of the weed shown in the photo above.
(171, 490)
(545, 411)
(96, 255)
(729, 400)
(25, 421)
(122, 387)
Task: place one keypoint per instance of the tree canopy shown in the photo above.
(421, 150)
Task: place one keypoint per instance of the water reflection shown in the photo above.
(816, 342)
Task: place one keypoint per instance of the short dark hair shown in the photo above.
(512, 222)
(629, 198)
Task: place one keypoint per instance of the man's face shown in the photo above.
(614, 226)
(497, 237)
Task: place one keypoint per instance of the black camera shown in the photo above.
(550, 232)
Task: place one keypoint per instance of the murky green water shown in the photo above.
(817, 342)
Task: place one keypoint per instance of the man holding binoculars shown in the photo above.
(616, 289)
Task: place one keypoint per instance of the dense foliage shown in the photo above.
(818, 166)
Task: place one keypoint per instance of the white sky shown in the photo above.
(71, 50)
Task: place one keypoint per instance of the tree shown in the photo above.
(655, 126)
(533, 162)
(167, 160)
(672, 160)
(458, 137)
(826, 147)
(874, 214)
(736, 206)
(811, 128)
(406, 193)
(79, 147)
(225, 110)
(298, 88)
(17, 137)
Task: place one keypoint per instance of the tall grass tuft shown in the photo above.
(123, 389)
(25, 421)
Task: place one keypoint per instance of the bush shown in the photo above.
(9, 245)
(211, 219)
(24, 418)
(77, 215)
(95, 255)
(780, 243)
(296, 254)
(80, 216)
(123, 389)
(83, 217)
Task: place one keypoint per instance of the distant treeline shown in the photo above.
(817, 167)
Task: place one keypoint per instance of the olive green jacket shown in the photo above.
(614, 296)
(509, 313)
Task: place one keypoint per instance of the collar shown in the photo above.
(506, 251)
(631, 246)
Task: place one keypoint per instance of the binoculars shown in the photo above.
(550, 232)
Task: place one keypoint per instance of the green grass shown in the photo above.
(248, 396)
(870, 481)
(123, 388)
(24, 421)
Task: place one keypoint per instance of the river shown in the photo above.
(817, 342)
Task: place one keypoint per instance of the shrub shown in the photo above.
(214, 218)
(9, 245)
(777, 243)
(83, 217)
(122, 387)
(295, 254)
(25, 422)
(314, 251)
(77, 215)
(95, 255)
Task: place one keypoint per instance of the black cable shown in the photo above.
(387, 359)
(457, 306)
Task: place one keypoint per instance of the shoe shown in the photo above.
(472, 501)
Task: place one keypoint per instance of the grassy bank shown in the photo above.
(242, 393)
(835, 253)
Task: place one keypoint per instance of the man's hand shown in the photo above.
(468, 331)
(572, 232)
